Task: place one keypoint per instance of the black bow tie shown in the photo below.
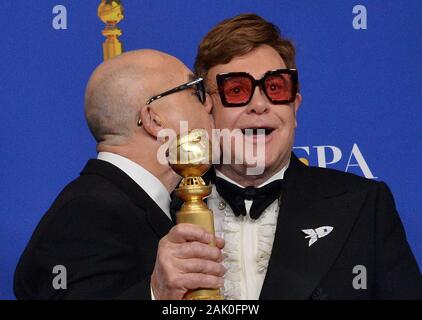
(236, 196)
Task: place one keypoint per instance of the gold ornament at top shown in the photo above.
(111, 12)
(189, 154)
(190, 157)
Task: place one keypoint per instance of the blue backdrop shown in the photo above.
(361, 93)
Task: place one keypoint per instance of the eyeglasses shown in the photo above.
(237, 88)
(197, 83)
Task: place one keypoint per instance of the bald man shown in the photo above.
(100, 237)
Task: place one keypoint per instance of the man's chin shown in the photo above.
(256, 166)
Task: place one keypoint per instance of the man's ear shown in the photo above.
(151, 121)
(296, 105)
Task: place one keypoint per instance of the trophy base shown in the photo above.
(204, 294)
(206, 298)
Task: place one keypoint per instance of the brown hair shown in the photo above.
(236, 37)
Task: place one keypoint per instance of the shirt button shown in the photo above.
(221, 205)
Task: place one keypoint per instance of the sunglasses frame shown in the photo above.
(200, 90)
(261, 82)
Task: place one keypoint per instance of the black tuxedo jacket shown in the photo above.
(367, 232)
(105, 230)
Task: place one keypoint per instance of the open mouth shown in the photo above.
(257, 131)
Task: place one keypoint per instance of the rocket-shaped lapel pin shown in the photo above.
(314, 234)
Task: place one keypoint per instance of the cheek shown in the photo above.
(225, 118)
(204, 120)
(194, 117)
(287, 118)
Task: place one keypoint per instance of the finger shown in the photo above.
(197, 280)
(201, 266)
(190, 250)
(219, 242)
(189, 232)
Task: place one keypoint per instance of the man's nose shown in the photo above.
(259, 102)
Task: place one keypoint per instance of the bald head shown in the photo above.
(119, 88)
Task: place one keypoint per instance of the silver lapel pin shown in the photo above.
(314, 234)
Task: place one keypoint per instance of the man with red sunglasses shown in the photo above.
(291, 231)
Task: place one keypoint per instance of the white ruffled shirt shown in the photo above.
(248, 243)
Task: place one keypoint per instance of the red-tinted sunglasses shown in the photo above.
(237, 88)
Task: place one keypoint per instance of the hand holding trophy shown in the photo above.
(190, 157)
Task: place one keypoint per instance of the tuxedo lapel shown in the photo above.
(158, 220)
(295, 268)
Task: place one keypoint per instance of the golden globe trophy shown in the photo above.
(190, 157)
(111, 12)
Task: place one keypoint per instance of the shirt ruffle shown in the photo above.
(231, 232)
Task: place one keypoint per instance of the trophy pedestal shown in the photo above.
(196, 212)
(189, 157)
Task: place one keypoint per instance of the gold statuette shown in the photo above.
(189, 156)
(111, 12)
